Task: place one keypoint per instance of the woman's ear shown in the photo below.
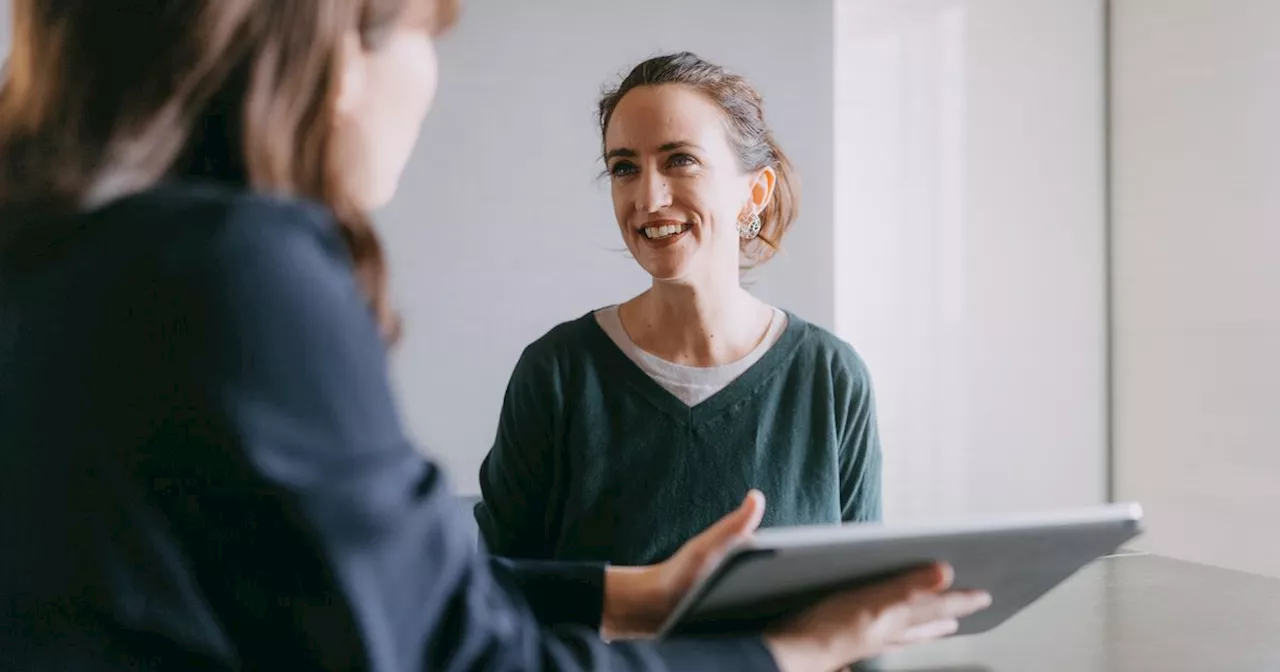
(351, 75)
(762, 188)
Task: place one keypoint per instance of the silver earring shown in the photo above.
(749, 229)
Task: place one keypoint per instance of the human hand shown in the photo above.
(639, 599)
(867, 622)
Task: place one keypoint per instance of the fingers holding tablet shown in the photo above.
(924, 607)
(867, 622)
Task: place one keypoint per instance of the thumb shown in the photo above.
(935, 577)
(741, 522)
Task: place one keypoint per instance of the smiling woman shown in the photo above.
(629, 429)
(203, 464)
(718, 131)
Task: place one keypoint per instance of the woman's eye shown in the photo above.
(681, 160)
(622, 168)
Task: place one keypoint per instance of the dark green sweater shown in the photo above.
(594, 460)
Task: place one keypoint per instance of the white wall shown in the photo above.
(502, 229)
(971, 246)
(1197, 275)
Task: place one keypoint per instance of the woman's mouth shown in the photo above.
(659, 232)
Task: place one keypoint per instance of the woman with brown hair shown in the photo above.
(202, 464)
(629, 429)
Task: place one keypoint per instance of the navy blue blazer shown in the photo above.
(202, 466)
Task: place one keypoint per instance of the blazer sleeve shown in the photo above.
(317, 533)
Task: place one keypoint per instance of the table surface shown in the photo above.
(1131, 612)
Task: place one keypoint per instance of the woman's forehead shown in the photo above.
(651, 116)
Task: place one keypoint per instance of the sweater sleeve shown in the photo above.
(519, 477)
(318, 534)
(860, 458)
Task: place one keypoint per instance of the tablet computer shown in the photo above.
(1016, 558)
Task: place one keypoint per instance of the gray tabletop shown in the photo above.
(1121, 614)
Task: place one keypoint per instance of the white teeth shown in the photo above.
(663, 231)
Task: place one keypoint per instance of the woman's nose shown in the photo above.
(655, 193)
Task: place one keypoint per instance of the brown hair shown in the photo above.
(102, 99)
(748, 132)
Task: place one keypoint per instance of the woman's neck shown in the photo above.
(696, 326)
